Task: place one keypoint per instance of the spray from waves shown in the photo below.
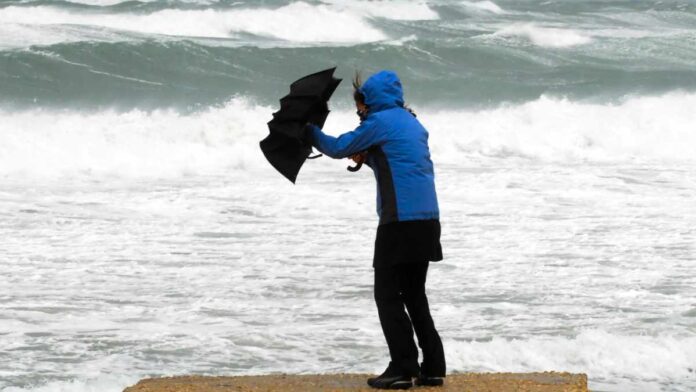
(394, 10)
(160, 143)
(23, 35)
(544, 36)
(100, 2)
(612, 360)
(168, 144)
(288, 23)
(296, 22)
(640, 128)
(486, 6)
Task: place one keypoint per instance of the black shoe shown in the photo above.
(392, 378)
(395, 382)
(428, 381)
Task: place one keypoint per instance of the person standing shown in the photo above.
(394, 144)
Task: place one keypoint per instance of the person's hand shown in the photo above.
(308, 137)
(359, 157)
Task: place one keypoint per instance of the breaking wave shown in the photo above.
(167, 143)
(639, 128)
(298, 22)
(486, 6)
(614, 362)
(545, 36)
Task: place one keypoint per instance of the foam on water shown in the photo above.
(471, 55)
(133, 144)
(487, 6)
(547, 266)
(104, 2)
(606, 357)
(394, 9)
(140, 242)
(641, 128)
(105, 383)
(296, 22)
(16, 35)
(167, 144)
(598, 353)
(550, 37)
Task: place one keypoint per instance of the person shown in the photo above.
(394, 144)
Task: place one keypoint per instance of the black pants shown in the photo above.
(404, 285)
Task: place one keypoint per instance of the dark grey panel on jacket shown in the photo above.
(389, 212)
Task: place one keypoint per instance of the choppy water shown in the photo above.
(142, 233)
(187, 54)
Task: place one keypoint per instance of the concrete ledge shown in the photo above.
(463, 382)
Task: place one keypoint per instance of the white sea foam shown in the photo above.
(600, 354)
(101, 383)
(165, 143)
(137, 244)
(136, 143)
(642, 128)
(486, 5)
(299, 22)
(612, 361)
(394, 9)
(104, 2)
(545, 36)
(15, 35)
(585, 268)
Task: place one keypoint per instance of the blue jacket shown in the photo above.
(397, 146)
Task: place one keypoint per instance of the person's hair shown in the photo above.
(357, 83)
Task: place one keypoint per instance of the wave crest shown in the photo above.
(166, 143)
(551, 129)
(544, 36)
(594, 352)
(298, 22)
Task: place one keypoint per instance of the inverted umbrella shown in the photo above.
(287, 146)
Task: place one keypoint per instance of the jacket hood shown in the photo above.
(383, 91)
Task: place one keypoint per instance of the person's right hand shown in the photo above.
(359, 157)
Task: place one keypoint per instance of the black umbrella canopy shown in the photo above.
(287, 146)
(322, 83)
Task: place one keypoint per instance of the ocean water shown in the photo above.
(142, 232)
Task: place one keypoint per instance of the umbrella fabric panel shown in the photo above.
(287, 146)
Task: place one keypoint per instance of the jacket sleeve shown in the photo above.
(360, 139)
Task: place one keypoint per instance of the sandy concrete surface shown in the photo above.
(464, 382)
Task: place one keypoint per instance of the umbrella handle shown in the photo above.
(316, 156)
(355, 168)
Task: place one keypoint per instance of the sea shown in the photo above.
(143, 233)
